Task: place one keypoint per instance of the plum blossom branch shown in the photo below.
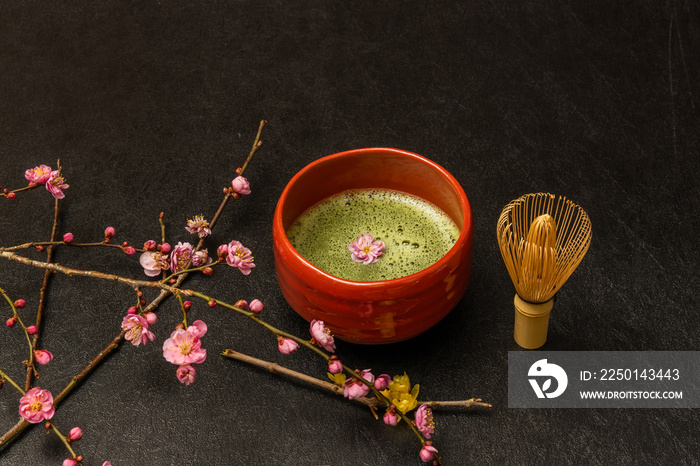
(42, 294)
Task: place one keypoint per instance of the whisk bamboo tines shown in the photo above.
(542, 239)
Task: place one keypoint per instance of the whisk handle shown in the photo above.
(531, 322)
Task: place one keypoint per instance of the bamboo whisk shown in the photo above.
(542, 239)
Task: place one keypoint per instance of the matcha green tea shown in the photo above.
(416, 233)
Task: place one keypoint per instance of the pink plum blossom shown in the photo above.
(201, 258)
(75, 434)
(322, 335)
(199, 226)
(424, 420)
(36, 405)
(366, 249)
(382, 382)
(180, 257)
(428, 452)
(153, 262)
(390, 417)
(38, 175)
(43, 357)
(240, 257)
(186, 374)
(136, 327)
(240, 185)
(68, 238)
(286, 345)
(257, 306)
(56, 184)
(184, 347)
(334, 365)
(354, 388)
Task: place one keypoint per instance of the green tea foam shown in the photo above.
(416, 233)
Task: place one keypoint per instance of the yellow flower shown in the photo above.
(400, 393)
(338, 379)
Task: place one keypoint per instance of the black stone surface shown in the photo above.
(150, 107)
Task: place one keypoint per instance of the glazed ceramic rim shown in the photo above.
(465, 230)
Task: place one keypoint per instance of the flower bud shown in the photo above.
(207, 271)
(109, 233)
(165, 248)
(69, 462)
(241, 304)
(151, 318)
(382, 382)
(32, 330)
(68, 238)
(149, 245)
(180, 326)
(129, 250)
(132, 310)
(334, 365)
(390, 417)
(11, 322)
(39, 248)
(19, 303)
(75, 434)
(11, 195)
(222, 251)
(256, 306)
(43, 357)
(186, 305)
(211, 303)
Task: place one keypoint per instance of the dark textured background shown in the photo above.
(152, 105)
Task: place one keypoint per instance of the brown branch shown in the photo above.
(42, 294)
(370, 402)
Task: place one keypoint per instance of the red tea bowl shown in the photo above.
(375, 312)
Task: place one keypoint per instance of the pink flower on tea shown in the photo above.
(424, 420)
(36, 405)
(136, 328)
(240, 185)
(56, 184)
(153, 262)
(286, 345)
(427, 452)
(38, 175)
(75, 434)
(390, 417)
(201, 258)
(382, 382)
(180, 256)
(354, 388)
(198, 225)
(322, 335)
(240, 257)
(43, 357)
(366, 249)
(185, 374)
(184, 347)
